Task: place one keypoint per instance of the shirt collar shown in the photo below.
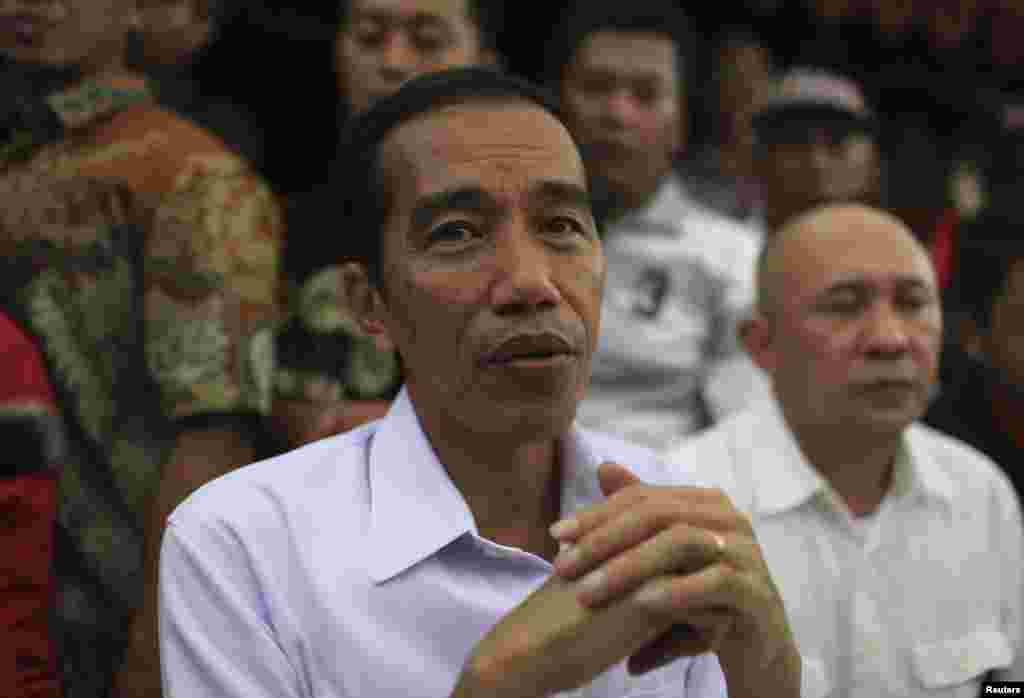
(416, 509)
(786, 480)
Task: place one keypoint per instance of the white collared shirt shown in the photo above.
(353, 568)
(679, 279)
(922, 598)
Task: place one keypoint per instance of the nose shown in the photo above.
(398, 59)
(620, 108)
(886, 332)
(523, 281)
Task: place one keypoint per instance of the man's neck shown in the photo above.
(858, 466)
(513, 489)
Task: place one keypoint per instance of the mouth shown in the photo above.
(545, 350)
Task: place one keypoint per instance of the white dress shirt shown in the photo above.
(679, 279)
(353, 568)
(922, 598)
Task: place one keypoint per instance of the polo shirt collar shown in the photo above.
(416, 509)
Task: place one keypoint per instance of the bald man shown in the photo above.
(897, 550)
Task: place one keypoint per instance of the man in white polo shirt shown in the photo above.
(414, 556)
(897, 549)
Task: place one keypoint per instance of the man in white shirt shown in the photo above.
(898, 550)
(414, 555)
(680, 276)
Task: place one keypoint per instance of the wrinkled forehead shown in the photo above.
(496, 144)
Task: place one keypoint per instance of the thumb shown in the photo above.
(614, 477)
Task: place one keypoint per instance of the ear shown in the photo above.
(366, 304)
(755, 335)
(490, 58)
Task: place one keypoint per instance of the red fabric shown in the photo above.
(943, 247)
(28, 508)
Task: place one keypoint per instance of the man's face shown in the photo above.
(858, 326)
(623, 100)
(807, 164)
(492, 267)
(86, 33)
(1003, 344)
(384, 43)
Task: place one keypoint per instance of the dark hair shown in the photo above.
(586, 17)
(357, 179)
(989, 247)
(485, 15)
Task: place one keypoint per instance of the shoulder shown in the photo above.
(712, 455)
(269, 499)
(976, 479)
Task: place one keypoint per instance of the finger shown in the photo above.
(719, 586)
(680, 549)
(614, 477)
(633, 526)
(697, 501)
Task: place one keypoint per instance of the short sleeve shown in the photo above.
(215, 638)
(211, 288)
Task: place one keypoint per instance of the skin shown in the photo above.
(384, 43)
(518, 255)
(826, 168)
(848, 327)
(87, 33)
(172, 30)
(1002, 344)
(625, 105)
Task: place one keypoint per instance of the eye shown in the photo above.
(369, 34)
(913, 302)
(841, 304)
(429, 41)
(452, 233)
(563, 226)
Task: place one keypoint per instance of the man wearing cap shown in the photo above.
(815, 144)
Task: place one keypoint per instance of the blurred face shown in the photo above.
(173, 30)
(744, 88)
(493, 268)
(856, 336)
(86, 33)
(809, 164)
(1003, 344)
(387, 42)
(622, 98)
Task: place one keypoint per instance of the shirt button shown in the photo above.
(872, 648)
(966, 663)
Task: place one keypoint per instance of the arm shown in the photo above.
(199, 456)
(211, 277)
(215, 641)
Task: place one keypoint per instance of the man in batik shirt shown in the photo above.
(141, 256)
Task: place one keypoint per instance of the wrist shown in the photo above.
(780, 678)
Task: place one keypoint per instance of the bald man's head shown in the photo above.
(849, 320)
(828, 227)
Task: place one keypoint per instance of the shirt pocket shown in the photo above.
(954, 661)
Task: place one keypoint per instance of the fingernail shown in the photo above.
(592, 587)
(651, 596)
(564, 528)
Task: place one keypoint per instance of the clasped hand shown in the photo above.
(649, 574)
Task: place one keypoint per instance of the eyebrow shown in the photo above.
(903, 283)
(472, 199)
(419, 19)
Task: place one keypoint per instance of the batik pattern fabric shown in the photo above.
(323, 356)
(162, 314)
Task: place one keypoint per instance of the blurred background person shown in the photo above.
(679, 275)
(720, 175)
(815, 144)
(141, 256)
(984, 404)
